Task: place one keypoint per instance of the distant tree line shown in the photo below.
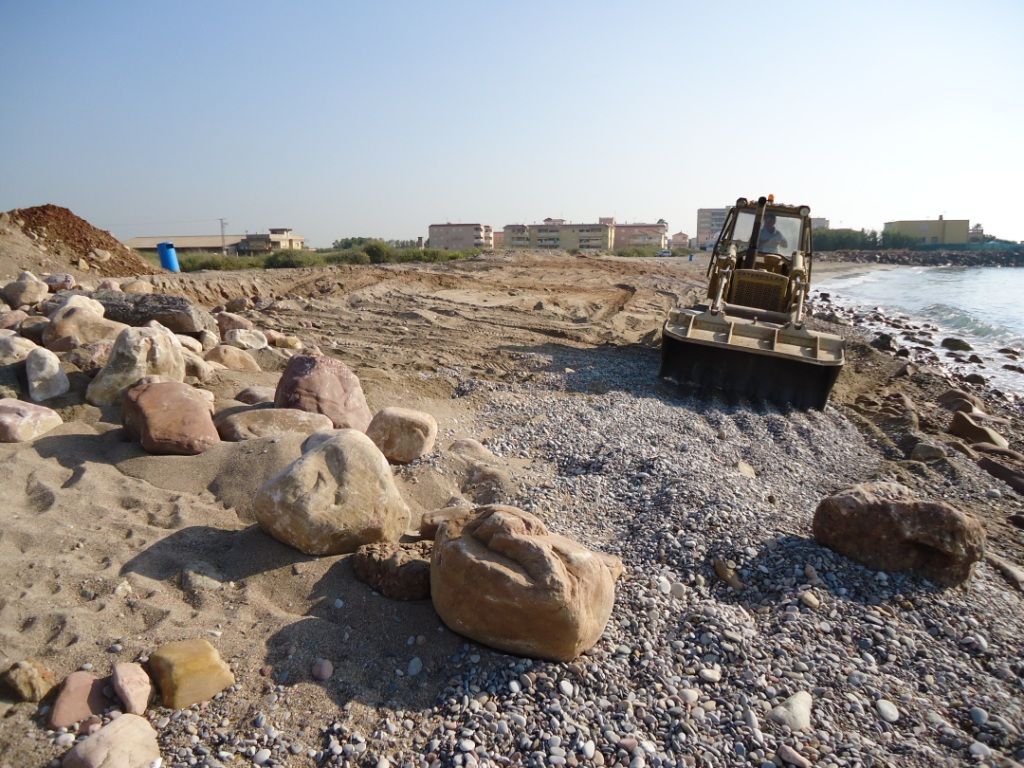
(860, 240)
(347, 243)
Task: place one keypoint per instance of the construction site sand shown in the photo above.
(95, 534)
(88, 515)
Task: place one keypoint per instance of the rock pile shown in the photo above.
(108, 713)
(59, 232)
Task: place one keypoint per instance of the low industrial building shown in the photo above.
(680, 240)
(461, 237)
(941, 231)
(186, 243)
(278, 239)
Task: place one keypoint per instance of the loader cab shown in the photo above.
(763, 274)
(781, 233)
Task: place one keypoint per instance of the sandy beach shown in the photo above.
(550, 361)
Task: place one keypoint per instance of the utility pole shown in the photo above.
(223, 244)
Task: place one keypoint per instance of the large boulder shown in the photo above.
(334, 498)
(885, 526)
(398, 571)
(244, 338)
(502, 579)
(13, 348)
(72, 326)
(255, 395)
(169, 417)
(233, 358)
(403, 434)
(67, 299)
(1002, 463)
(136, 286)
(251, 423)
(20, 421)
(60, 281)
(33, 327)
(137, 353)
(970, 430)
(11, 321)
(25, 291)
(196, 365)
(90, 358)
(320, 384)
(173, 312)
(46, 378)
(228, 321)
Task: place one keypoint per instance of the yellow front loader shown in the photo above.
(749, 339)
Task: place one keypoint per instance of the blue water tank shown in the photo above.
(168, 257)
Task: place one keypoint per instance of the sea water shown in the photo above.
(982, 305)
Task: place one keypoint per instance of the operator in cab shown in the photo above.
(771, 240)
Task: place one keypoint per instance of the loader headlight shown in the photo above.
(804, 210)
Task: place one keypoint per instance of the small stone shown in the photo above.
(188, 672)
(710, 674)
(80, 696)
(690, 696)
(261, 757)
(810, 599)
(132, 686)
(745, 469)
(887, 710)
(794, 712)
(978, 716)
(415, 666)
(29, 680)
(565, 687)
(979, 751)
(128, 741)
(791, 756)
(322, 670)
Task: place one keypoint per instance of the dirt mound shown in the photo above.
(50, 238)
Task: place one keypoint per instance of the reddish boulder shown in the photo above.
(1002, 463)
(886, 527)
(502, 579)
(169, 417)
(9, 321)
(398, 571)
(60, 281)
(320, 384)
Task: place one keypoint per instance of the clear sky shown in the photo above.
(378, 119)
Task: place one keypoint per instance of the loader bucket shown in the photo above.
(709, 353)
